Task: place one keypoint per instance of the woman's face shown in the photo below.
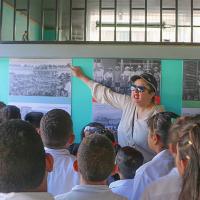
(142, 98)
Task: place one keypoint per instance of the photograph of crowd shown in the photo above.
(191, 80)
(116, 74)
(40, 77)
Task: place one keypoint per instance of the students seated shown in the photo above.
(56, 130)
(9, 112)
(128, 160)
(163, 162)
(171, 186)
(34, 118)
(23, 163)
(95, 162)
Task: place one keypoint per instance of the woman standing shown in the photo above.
(136, 109)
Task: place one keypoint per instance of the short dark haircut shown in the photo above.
(160, 124)
(56, 127)
(129, 160)
(34, 118)
(96, 158)
(97, 125)
(22, 159)
(9, 112)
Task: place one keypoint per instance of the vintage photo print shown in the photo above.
(116, 74)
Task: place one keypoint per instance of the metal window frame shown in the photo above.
(130, 24)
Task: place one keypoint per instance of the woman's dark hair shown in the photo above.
(188, 148)
(160, 124)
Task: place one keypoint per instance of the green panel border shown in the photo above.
(191, 104)
(4, 82)
(172, 85)
(81, 97)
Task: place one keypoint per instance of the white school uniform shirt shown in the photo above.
(63, 177)
(128, 135)
(26, 196)
(90, 192)
(159, 166)
(122, 187)
(166, 188)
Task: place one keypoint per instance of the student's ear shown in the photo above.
(75, 166)
(71, 139)
(155, 138)
(172, 149)
(38, 131)
(183, 165)
(115, 170)
(49, 162)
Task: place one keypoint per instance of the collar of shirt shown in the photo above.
(119, 183)
(91, 188)
(57, 151)
(163, 154)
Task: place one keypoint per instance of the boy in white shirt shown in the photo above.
(56, 130)
(128, 160)
(23, 163)
(95, 162)
(163, 162)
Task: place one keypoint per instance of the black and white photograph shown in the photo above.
(116, 74)
(191, 80)
(40, 77)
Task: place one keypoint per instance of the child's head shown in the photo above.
(188, 160)
(95, 158)
(128, 161)
(159, 125)
(56, 128)
(34, 118)
(23, 162)
(9, 112)
(90, 128)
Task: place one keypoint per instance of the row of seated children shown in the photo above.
(183, 140)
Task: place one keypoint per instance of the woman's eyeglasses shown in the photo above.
(138, 88)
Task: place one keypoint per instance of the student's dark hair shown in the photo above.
(97, 125)
(56, 127)
(160, 124)
(2, 104)
(96, 158)
(129, 160)
(34, 118)
(22, 159)
(73, 148)
(9, 112)
(188, 148)
(176, 129)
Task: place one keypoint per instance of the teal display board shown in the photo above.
(81, 97)
(171, 89)
(172, 85)
(4, 83)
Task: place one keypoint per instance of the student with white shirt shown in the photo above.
(56, 130)
(23, 163)
(163, 162)
(128, 160)
(172, 181)
(95, 162)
